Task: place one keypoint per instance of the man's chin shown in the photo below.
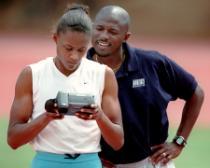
(102, 54)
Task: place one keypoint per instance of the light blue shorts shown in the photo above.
(52, 160)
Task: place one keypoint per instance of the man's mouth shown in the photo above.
(103, 44)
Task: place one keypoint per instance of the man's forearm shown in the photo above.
(190, 113)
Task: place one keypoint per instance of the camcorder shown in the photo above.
(68, 104)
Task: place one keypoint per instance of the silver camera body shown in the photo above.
(68, 103)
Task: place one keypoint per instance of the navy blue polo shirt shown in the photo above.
(147, 82)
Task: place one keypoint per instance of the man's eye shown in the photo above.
(113, 32)
(99, 28)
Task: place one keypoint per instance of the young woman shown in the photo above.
(60, 140)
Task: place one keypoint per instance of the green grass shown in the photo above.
(9, 158)
(195, 155)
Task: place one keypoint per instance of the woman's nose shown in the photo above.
(74, 55)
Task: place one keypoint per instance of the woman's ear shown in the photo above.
(55, 37)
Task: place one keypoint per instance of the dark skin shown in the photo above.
(108, 35)
(71, 47)
(110, 31)
(190, 114)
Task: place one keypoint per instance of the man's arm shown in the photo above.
(19, 130)
(190, 114)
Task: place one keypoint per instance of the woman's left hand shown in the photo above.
(91, 112)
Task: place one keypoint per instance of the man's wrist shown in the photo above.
(180, 141)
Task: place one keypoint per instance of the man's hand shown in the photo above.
(163, 153)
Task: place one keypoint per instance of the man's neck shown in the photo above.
(114, 61)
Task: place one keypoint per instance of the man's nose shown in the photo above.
(104, 35)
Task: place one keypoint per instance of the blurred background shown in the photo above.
(178, 29)
(164, 18)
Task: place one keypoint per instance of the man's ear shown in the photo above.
(128, 34)
(55, 37)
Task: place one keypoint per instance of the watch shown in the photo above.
(180, 141)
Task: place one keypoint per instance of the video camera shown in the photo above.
(68, 103)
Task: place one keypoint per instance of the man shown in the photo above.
(60, 140)
(147, 82)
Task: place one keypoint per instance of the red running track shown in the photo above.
(18, 50)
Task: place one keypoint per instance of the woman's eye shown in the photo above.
(81, 50)
(68, 49)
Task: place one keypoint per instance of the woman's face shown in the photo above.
(71, 47)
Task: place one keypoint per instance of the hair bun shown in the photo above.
(75, 6)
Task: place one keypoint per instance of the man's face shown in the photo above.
(108, 35)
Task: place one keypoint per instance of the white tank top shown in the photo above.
(70, 135)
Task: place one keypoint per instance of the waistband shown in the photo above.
(66, 157)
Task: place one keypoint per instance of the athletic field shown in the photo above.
(19, 50)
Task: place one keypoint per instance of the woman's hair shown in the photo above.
(75, 18)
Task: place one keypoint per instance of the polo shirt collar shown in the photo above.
(90, 53)
(131, 60)
(130, 64)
